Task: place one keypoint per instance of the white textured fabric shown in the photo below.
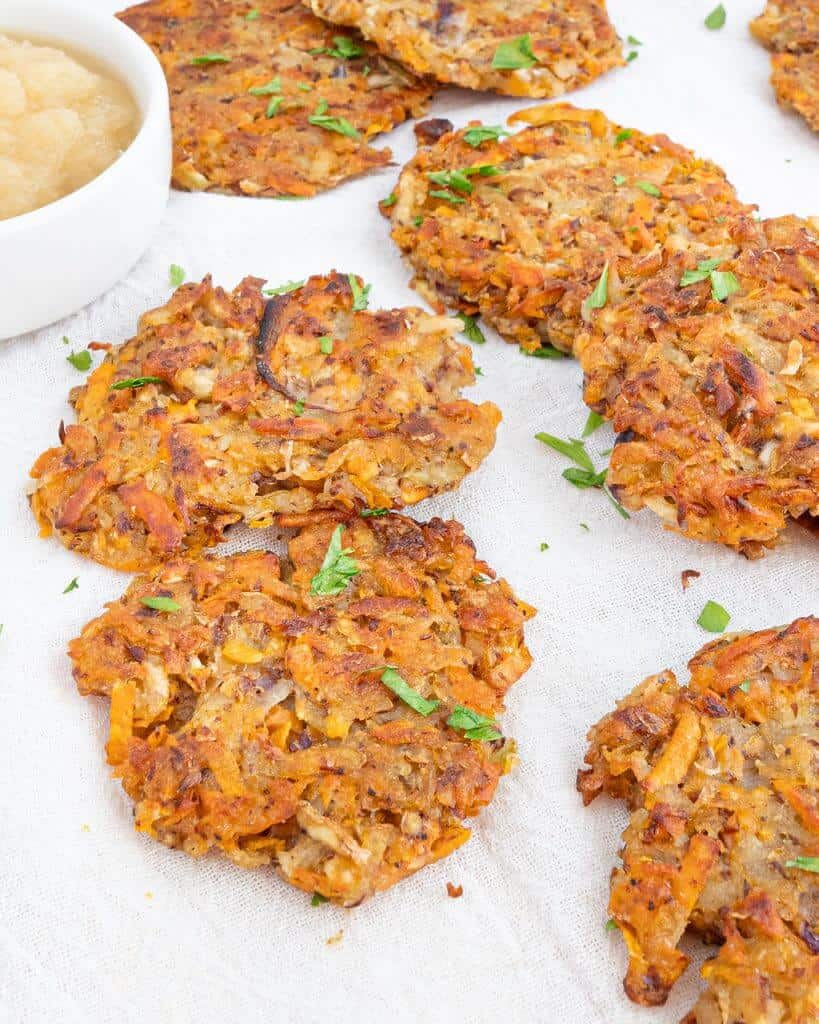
(99, 924)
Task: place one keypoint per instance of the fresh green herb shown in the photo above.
(66, 341)
(633, 41)
(572, 449)
(391, 200)
(474, 137)
(546, 352)
(366, 70)
(471, 329)
(804, 864)
(623, 136)
(713, 618)
(593, 422)
(341, 125)
(584, 478)
(298, 408)
(456, 180)
(702, 273)
(326, 344)
(745, 685)
(345, 48)
(514, 54)
(369, 513)
(473, 725)
(393, 680)
(252, 14)
(478, 371)
(317, 899)
(211, 58)
(632, 55)
(135, 382)
(283, 289)
(544, 546)
(599, 297)
(336, 570)
(438, 193)
(611, 925)
(80, 360)
(161, 604)
(418, 221)
(716, 19)
(273, 106)
(723, 284)
(268, 89)
(304, 86)
(73, 585)
(176, 275)
(648, 188)
(619, 179)
(360, 293)
(585, 526)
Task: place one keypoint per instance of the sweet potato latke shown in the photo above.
(518, 47)
(247, 410)
(279, 103)
(723, 780)
(250, 715)
(713, 386)
(520, 229)
(791, 29)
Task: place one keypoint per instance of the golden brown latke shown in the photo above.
(716, 403)
(722, 777)
(253, 719)
(558, 46)
(257, 409)
(791, 29)
(525, 237)
(224, 140)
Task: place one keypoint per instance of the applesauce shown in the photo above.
(61, 124)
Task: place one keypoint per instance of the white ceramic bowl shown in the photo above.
(57, 259)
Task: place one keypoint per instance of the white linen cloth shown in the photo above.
(100, 924)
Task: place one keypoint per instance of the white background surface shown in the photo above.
(80, 939)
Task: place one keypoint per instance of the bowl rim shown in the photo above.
(156, 103)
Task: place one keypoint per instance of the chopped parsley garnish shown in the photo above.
(478, 371)
(438, 193)
(514, 54)
(268, 89)
(304, 86)
(582, 475)
(633, 41)
(283, 289)
(459, 181)
(573, 449)
(632, 55)
(393, 680)
(745, 685)
(273, 106)
(619, 179)
(716, 19)
(544, 546)
(336, 570)
(418, 221)
(369, 513)
(298, 408)
(326, 344)
(317, 899)
(483, 133)
(804, 864)
(345, 48)
(473, 725)
(360, 293)
(252, 14)
(703, 271)
(211, 58)
(593, 422)
(611, 925)
(471, 329)
(713, 618)
(161, 604)
(584, 478)
(622, 136)
(80, 360)
(599, 297)
(176, 275)
(546, 352)
(341, 125)
(391, 200)
(135, 382)
(73, 585)
(585, 526)
(647, 187)
(723, 284)
(66, 341)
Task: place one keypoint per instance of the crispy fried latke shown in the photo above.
(226, 139)
(716, 403)
(258, 409)
(571, 42)
(791, 29)
(524, 239)
(253, 719)
(722, 777)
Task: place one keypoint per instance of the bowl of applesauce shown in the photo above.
(85, 158)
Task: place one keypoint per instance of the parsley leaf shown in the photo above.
(393, 680)
(360, 294)
(619, 179)
(471, 329)
(473, 725)
(456, 180)
(716, 19)
(176, 275)
(572, 449)
(713, 618)
(283, 289)
(647, 187)
(633, 55)
(391, 200)
(298, 408)
(80, 360)
(368, 513)
(593, 422)
(336, 570)
(599, 297)
(135, 382)
(73, 585)
(622, 136)
(161, 604)
(211, 58)
(483, 133)
(703, 271)
(326, 344)
(804, 864)
(611, 925)
(331, 124)
(723, 284)
(305, 87)
(438, 193)
(633, 41)
(745, 685)
(544, 546)
(252, 14)
(273, 86)
(418, 221)
(273, 106)
(546, 352)
(583, 478)
(317, 899)
(345, 48)
(514, 54)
